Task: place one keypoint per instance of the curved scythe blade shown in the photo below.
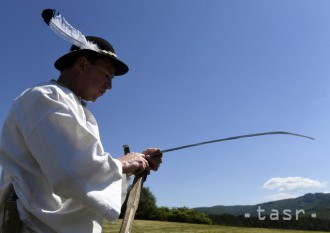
(236, 137)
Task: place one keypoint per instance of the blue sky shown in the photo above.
(199, 70)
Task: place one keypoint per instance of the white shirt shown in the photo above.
(51, 152)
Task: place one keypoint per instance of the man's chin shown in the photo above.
(91, 100)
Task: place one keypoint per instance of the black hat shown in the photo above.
(105, 50)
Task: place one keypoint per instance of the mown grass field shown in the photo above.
(142, 226)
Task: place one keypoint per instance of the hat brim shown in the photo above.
(120, 67)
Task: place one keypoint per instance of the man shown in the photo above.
(52, 155)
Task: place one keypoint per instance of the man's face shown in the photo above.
(97, 79)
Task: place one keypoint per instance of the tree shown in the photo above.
(148, 210)
(147, 205)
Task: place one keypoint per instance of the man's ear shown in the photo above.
(81, 63)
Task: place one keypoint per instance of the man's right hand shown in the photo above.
(134, 163)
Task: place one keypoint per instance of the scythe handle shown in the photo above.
(133, 200)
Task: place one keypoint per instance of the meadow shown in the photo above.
(143, 226)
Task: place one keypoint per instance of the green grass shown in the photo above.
(142, 226)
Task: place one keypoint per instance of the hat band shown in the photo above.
(102, 51)
(109, 53)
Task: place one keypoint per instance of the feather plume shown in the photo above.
(63, 29)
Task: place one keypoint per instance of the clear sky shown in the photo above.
(199, 70)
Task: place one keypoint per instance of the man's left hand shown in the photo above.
(154, 158)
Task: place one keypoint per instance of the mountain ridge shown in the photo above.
(317, 204)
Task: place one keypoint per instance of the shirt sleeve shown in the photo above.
(74, 162)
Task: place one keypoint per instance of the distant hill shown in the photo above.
(317, 204)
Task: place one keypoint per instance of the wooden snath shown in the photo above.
(133, 200)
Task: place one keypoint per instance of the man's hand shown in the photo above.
(154, 158)
(136, 163)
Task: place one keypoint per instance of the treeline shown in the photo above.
(303, 223)
(148, 210)
(182, 214)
